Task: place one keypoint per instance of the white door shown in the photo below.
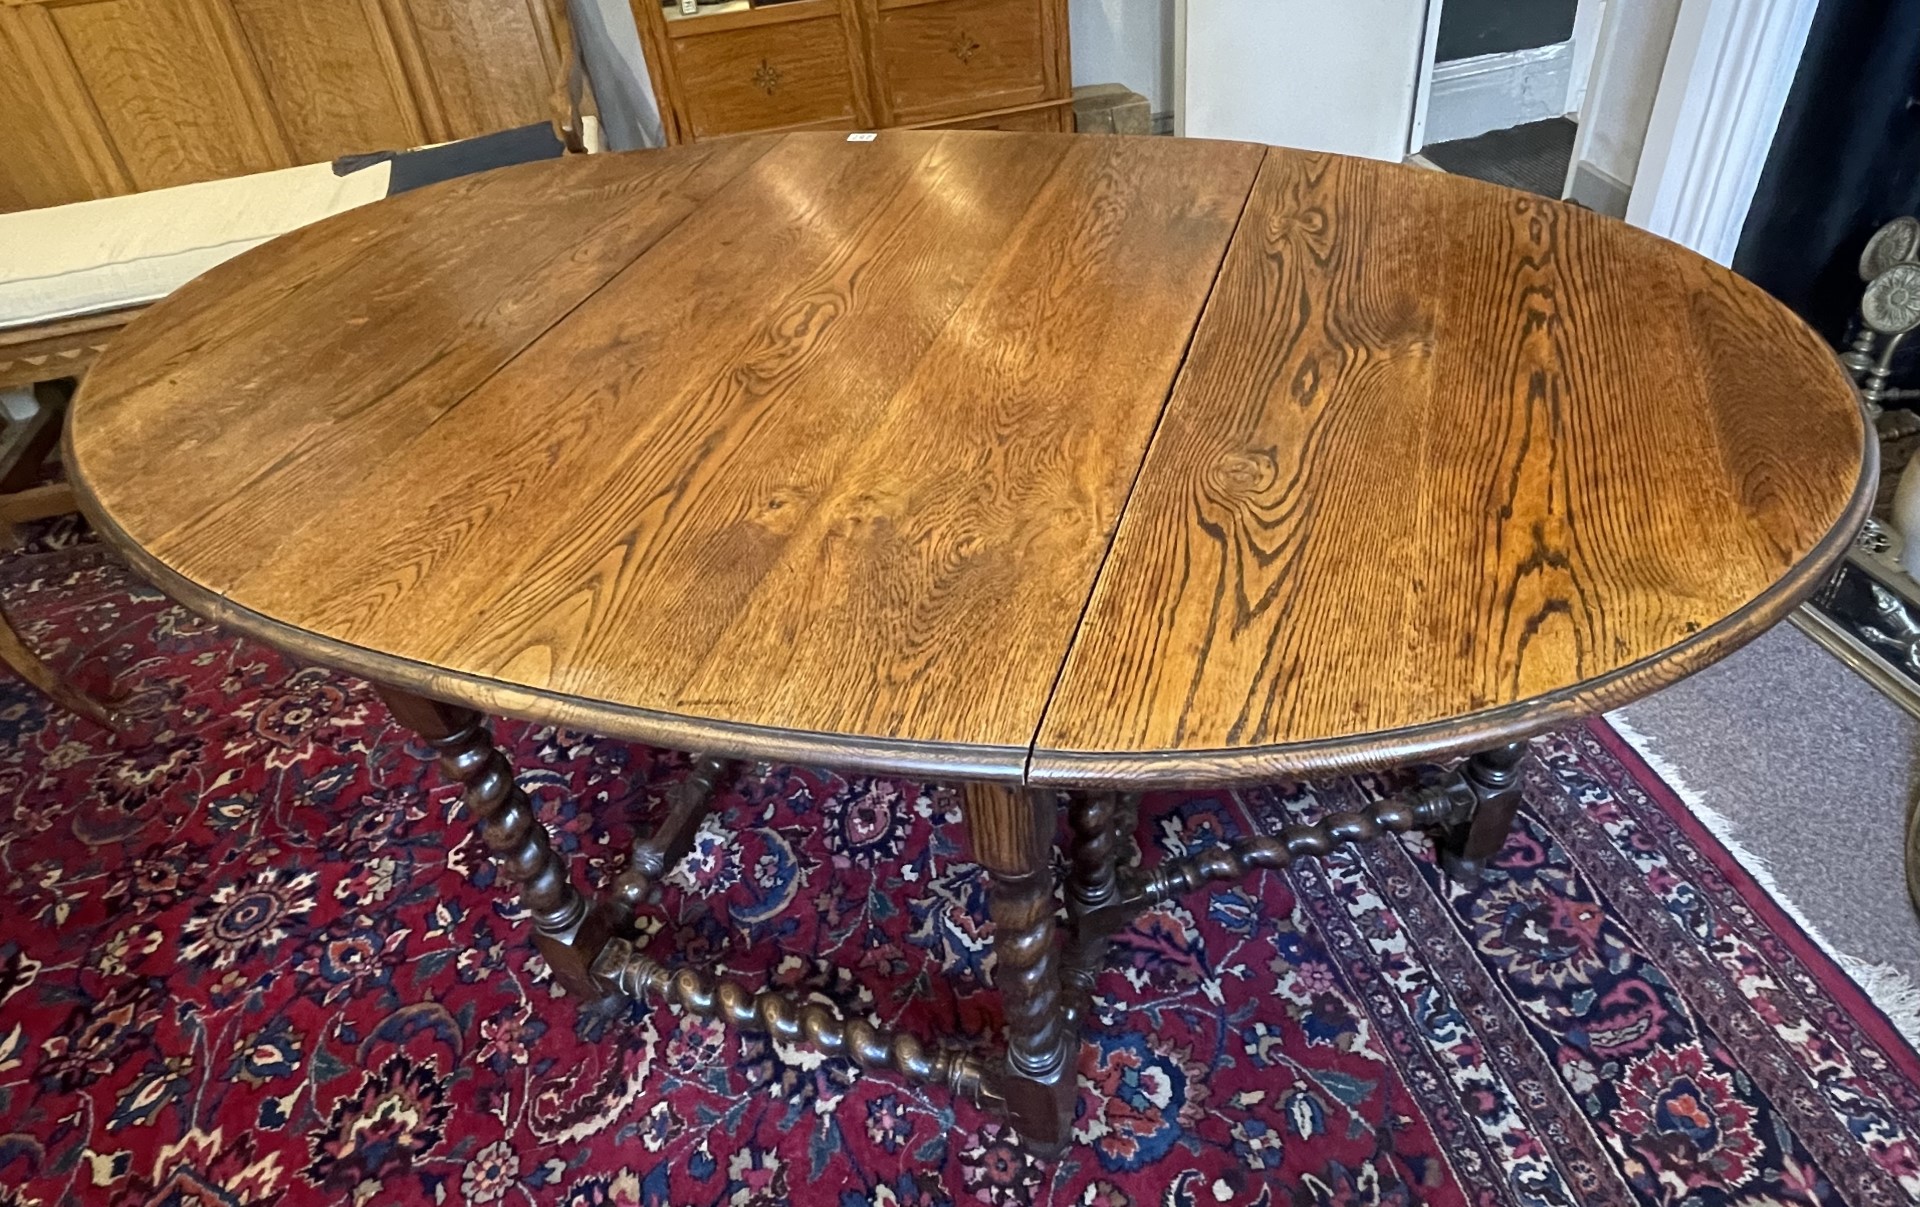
(1326, 75)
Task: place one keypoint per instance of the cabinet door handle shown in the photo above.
(767, 78)
(964, 46)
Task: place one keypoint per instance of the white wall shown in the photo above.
(1124, 42)
(1589, 23)
(1324, 75)
(1620, 97)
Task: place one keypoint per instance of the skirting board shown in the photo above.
(1598, 191)
(1498, 91)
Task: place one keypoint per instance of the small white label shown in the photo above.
(868, 136)
(689, 8)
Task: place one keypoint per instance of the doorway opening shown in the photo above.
(1534, 156)
(1555, 97)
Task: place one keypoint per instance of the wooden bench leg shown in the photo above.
(37, 503)
(27, 442)
(26, 664)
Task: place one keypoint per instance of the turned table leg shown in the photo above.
(565, 931)
(655, 853)
(1126, 828)
(1012, 835)
(1099, 824)
(1495, 778)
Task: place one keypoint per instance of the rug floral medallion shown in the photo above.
(260, 959)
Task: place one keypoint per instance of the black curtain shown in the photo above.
(1846, 159)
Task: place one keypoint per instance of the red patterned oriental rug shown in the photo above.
(260, 960)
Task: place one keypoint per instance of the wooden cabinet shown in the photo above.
(955, 57)
(859, 64)
(102, 97)
(792, 73)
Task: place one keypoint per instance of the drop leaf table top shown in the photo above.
(1032, 458)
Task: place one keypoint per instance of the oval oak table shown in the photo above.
(1024, 462)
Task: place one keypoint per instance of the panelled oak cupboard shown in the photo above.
(103, 97)
(858, 64)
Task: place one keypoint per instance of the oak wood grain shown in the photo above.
(962, 56)
(55, 152)
(245, 372)
(163, 90)
(866, 416)
(325, 68)
(984, 455)
(796, 72)
(1447, 461)
(490, 62)
(1051, 117)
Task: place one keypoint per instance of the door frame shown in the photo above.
(1729, 71)
(1177, 79)
(1589, 23)
(1423, 88)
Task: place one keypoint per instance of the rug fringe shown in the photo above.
(1892, 990)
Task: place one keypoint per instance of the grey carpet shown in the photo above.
(1815, 769)
(1533, 157)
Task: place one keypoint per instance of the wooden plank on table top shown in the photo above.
(839, 454)
(1441, 450)
(275, 376)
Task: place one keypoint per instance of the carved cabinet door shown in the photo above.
(941, 58)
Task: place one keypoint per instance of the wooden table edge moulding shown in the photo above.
(1058, 468)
